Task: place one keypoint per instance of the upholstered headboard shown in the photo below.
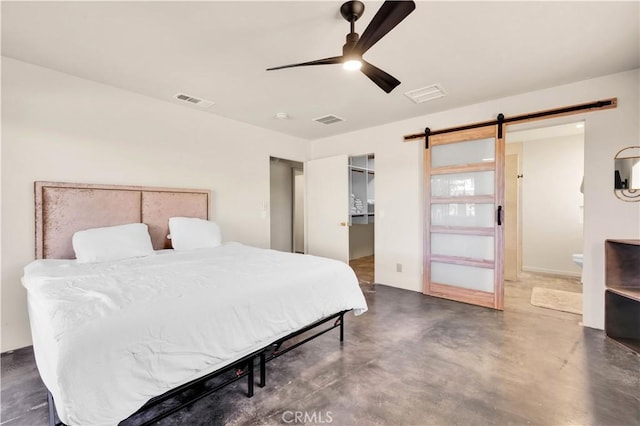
(64, 208)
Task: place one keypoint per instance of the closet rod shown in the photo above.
(558, 112)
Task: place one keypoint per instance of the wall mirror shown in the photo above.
(626, 184)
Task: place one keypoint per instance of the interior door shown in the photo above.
(327, 195)
(464, 199)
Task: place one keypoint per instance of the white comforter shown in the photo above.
(110, 336)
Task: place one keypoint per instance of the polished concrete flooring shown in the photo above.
(414, 360)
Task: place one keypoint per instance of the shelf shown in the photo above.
(622, 264)
(628, 242)
(361, 188)
(361, 170)
(622, 319)
(622, 294)
(633, 344)
(631, 293)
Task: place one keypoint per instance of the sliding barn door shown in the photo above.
(464, 199)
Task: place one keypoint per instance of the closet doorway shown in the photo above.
(286, 210)
(362, 217)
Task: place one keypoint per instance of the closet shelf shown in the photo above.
(361, 170)
(361, 189)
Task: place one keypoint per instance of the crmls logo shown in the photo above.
(303, 417)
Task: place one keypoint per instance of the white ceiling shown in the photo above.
(219, 51)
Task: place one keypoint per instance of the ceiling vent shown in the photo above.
(328, 119)
(195, 101)
(425, 94)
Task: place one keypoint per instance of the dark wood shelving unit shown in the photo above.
(622, 294)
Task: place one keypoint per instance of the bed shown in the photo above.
(110, 336)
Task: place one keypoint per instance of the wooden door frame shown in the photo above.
(515, 211)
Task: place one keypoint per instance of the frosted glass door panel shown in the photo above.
(462, 184)
(475, 151)
(471, 214)
(462, 276)
(470, 246)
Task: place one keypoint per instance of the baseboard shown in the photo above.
(551, 272)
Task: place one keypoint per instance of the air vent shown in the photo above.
(328, 119)
(196, 101)
(425, 94)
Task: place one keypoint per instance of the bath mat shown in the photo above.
(559, 300)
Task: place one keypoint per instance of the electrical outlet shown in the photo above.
(398, 267)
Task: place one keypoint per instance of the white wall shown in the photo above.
(399, 176)
(552, 204)
(61, 128)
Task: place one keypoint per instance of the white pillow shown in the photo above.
(188, 233)
(112, 243)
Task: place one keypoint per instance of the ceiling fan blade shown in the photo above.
(325, 61)
(390, 14)
(384, 81)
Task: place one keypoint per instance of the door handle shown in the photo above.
(344, 224)
(499, 215)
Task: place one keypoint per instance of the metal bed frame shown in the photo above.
(244, 368)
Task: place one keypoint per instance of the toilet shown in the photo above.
(577, 259)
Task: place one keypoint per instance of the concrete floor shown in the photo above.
(414, 360)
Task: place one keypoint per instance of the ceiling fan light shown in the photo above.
(352, 65)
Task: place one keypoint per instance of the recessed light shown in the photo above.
(282, 116)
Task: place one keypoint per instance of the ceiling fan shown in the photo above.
(390, 14)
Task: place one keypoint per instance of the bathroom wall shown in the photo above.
(552, 204)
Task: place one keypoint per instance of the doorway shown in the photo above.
(286, 179)
(544, 169)
(340, 206)
(362, 217)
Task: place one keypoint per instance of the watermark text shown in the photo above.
(304, 417)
